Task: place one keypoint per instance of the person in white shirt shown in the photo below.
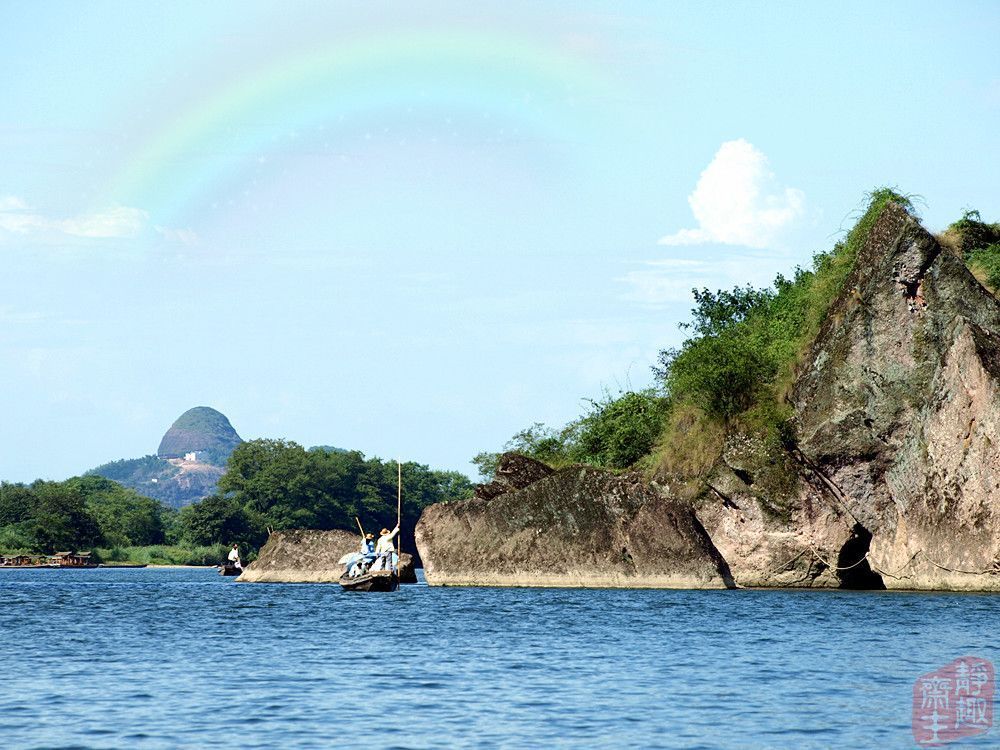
(234, 556)
(386, 549)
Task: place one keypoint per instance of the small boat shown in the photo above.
(376, 580)
(230, 570)
(383, 579)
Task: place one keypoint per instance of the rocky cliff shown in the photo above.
(574, 527)
(310, 556)
(898, 411)
(889, 476)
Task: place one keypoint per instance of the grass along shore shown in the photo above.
(162, 555)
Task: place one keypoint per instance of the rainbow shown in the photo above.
(476, 80)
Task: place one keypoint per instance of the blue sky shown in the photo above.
(414, 229)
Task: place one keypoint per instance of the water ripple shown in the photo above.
(184, 658)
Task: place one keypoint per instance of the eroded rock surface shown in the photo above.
(514, 472)
(574, 527)
(889, 476)
(899, 408)
(310, 556)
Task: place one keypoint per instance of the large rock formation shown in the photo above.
(891, 479)
(772, 525)
(888, 478)
(575, 527)
(898, 409)
(310, 556)
(201, 430)
(513, 472)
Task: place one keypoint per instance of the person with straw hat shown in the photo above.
(386, 549)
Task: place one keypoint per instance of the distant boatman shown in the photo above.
(234, 557)
(386, 550)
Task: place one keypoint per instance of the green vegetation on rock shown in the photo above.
(978, 244)
(169, 476)
(733, 372)
(614, 433)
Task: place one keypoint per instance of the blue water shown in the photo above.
(184, 658)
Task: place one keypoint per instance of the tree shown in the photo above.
(124, 517)
(721, 374)
(716, 312)
(60, 519)
(220, 520)
(281, 485)
(617, 432)
(16, 502)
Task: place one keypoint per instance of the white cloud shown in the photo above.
(737, 201)
(11, 203)
(184, 236)
(117, 221)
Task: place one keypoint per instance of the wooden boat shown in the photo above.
(378, 580)
(230, 570)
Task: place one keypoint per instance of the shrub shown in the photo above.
(618, 431)
(985, 264)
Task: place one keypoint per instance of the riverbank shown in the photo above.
(165, 555)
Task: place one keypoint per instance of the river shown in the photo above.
(161, 658)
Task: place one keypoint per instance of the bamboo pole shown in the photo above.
(360, 528)
(399, 514)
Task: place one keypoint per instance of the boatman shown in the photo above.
(234, 556)
(385, 541)
(386, 549)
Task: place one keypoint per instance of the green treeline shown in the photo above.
(278, 484)
(736, 367)
(268, 484)
(80, 513)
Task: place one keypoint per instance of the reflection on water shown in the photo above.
(185, 658)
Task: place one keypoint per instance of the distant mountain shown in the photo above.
(201, 433)
(188, 464)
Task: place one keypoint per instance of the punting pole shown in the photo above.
(399, 511)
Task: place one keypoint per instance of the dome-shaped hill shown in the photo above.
(203, 431)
